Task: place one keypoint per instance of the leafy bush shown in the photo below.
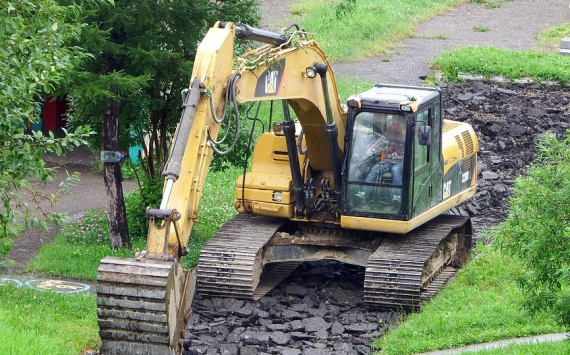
(537, 230)
(148, 194)
(35, 59)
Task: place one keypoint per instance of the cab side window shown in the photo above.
(421, 157)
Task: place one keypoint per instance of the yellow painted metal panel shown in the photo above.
(264, 182)
(403, 227)
(458, 142)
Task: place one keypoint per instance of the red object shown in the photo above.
(53, 113)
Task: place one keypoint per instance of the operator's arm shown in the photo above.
(380, 145)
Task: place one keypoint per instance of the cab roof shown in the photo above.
(394, 97)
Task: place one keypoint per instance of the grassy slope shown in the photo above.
(482, 304)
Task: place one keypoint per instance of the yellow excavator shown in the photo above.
(329, 180)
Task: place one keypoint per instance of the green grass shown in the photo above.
(550, 38)
(481, 29)
(44, 322)
(351, 30)
(78, 248)
(482, 304)
(490, 61)
(216, 208)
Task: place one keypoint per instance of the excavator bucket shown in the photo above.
(143, 306)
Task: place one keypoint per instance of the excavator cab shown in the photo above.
(376, 162)
(392, 148)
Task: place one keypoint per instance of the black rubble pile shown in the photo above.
(319, 308)
(508, 119)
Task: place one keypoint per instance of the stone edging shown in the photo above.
(502, 79)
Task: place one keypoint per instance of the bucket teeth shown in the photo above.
(135, 301)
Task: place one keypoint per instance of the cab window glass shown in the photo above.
(420, 151)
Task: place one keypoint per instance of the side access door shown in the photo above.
(426, 162)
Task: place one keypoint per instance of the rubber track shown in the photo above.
(394, 270)
(230, 263)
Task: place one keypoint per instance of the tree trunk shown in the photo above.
(112, 172)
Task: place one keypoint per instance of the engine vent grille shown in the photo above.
(460, 146)
(468, 163)
(468, 141)
(448, 126)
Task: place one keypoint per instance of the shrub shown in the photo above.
(148, 194)
(537, 230)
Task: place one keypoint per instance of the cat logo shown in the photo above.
(271, 80)
(446, 189)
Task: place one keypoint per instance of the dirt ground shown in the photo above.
(88, 194)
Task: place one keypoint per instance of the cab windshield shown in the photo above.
(375, 167)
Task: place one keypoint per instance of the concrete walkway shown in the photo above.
(501, 344)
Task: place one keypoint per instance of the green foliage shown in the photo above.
(5, 246)
(537, 230)
(490, 61)
(34, 59)
(148, 194)
(143, 55)
(482, 304)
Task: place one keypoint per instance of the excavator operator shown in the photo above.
(386, 155)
